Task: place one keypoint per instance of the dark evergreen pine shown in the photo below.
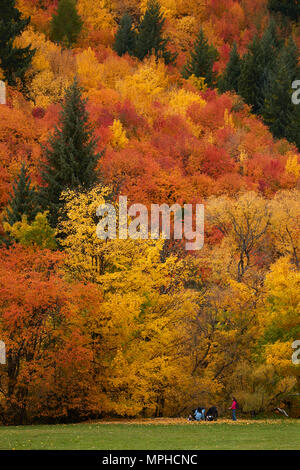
(270, 37)
(71, 156)
(202, 60)
(125, 36)
(292, 130)
(257, 68)
(270, 47)
(278, 106)
(288, 8)
(14, 61)
(149, 38)
(229, 79)
(279, 113)
(23, 199)
(291, 56)
(248, 84)
(66, 24)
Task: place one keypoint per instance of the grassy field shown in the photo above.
(155, 435)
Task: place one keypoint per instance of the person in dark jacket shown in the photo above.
(212, 414)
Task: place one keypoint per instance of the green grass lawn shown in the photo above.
(263, 435)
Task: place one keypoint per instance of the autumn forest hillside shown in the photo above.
(181, 101)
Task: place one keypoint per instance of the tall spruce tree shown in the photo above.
(23, 199)
(278, 112)
(292, 129)
(291, 58)
(202, 60)
(288, 8)
(150, 38)
(71, 156)
(230, 78)
(249, 81)
(125, 36)
(66, 24)
(14, 61)
(270, 46)
(257, 68)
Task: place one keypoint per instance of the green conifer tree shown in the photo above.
(125, 36)
(149, 38)
(288, 8)
(229, 79)
(14, 61)
(292, 129)
(202, 60)
(291, 58)
(70, 155)
(257, 68)
(279, 113)
(249, 82)
(66, 24)
(23, 199)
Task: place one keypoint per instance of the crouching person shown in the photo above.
(212, 414)
(200, 414)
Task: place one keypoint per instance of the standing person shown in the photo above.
(233, 408)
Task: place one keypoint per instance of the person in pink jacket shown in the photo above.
(233, 408)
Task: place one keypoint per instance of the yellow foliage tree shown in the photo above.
(292, 166)
(282, 299)
(259, 388)
(145, 85)
(243, 222)
(114, 69)
(88, 69)
(38, 233)
(285, 223)
(180, 100)
(52, 69)
(279, 317)
(144, 310)
(96, 15)
(198, 82)
(119, 139)
(168, 7)
(184, 31)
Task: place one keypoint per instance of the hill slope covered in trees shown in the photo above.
(178, 102)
